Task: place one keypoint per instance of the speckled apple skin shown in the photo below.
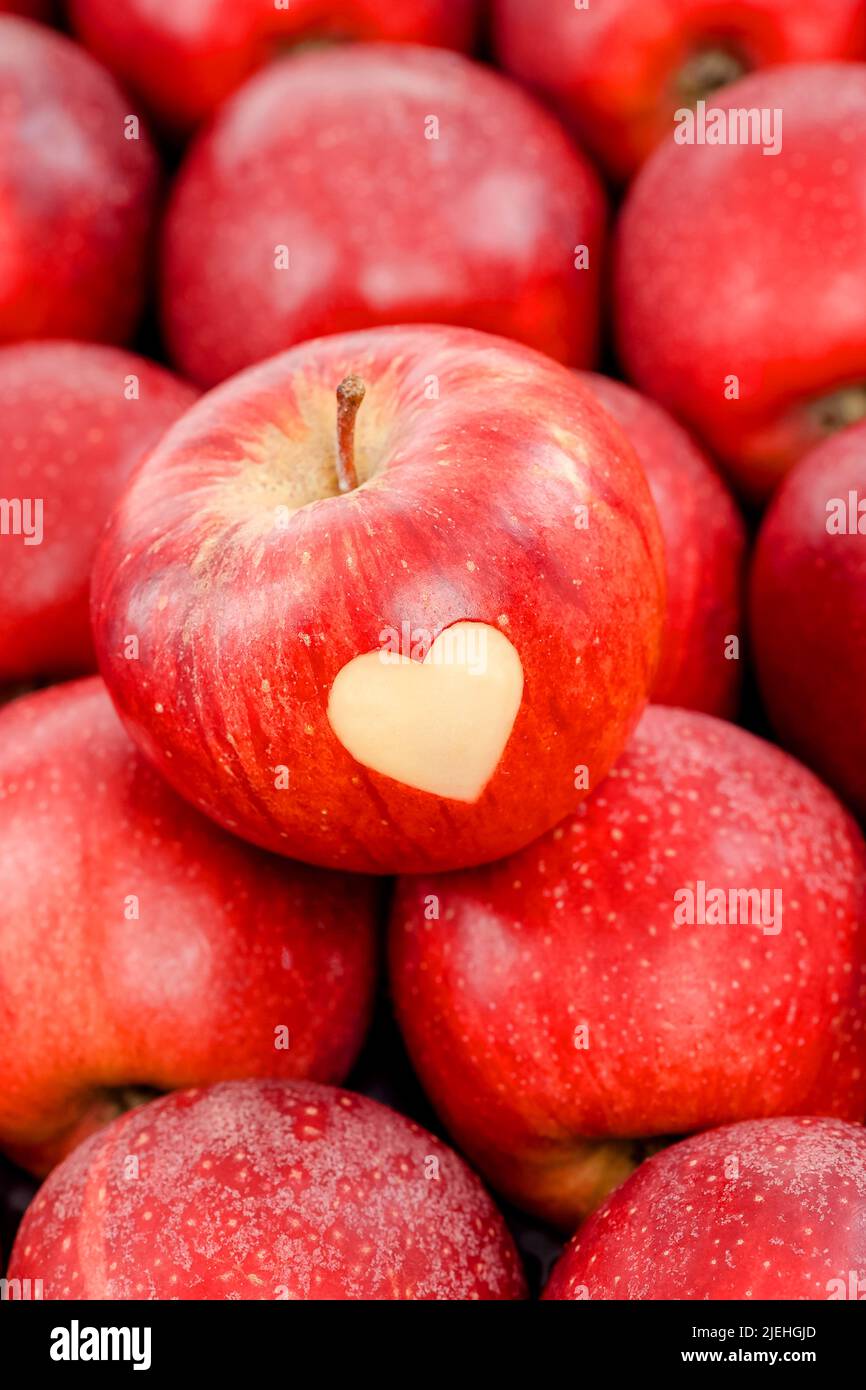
(78, 197)
(467, 510)
(612, 69)
(808, 616)
(266, 1190)
(326, 154)
(768, 1209)
(705, 547)
(185, 63)
(71, 438)
(689, 1026)
(228, 946)
(733, 263)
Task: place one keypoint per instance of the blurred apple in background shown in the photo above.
(75, 419)
(705, 546)
(185, 60)
(266, 1190)
(768, 1209)
(808, 612)
(378, 184)
(76, 189)
(426, 669)
(688, 949)
(738, 271)
(30, 9)
(618, 70)
(143, 948)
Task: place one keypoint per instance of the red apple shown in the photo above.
(142, 947)
(687, 950)
(31, 9)
(352, 187)
(619, 70)
(75, 418)
(266, 1190)
(77, 187)
(768, 1209)
(426, 670)
(705, 544)
(736, 273)
(808, 612)
(184, 61)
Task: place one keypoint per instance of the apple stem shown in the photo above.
(706, 71)
(129, 1097)
(847, 406)
(350, 393)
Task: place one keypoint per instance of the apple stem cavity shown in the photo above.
(350, 393)
(707, 71)
(841, 408)
(125, 1098)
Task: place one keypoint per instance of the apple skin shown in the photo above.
(768, 1209)
(184, 65)
(467, 511)
(383, 225)
(735, 264)
(810, 650)
(29, 9)
(70, 438)
(705, 546)
(266, 1190)
(229, 945)
(614, 70)
(78, 197)
(689, 1026)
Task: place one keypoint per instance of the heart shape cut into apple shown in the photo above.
(439, 725)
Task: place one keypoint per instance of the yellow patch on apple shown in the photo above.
(439, 725)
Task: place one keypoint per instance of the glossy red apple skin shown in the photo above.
(266, 1190)
(228, 945)
(75, 419)
(768, 1209)
(184, 65)
(731, 263)
(467, 511)
(614, 70)
(808, 614)
(78, 197)
(689, 1026)
(705, 545)
(326, 154)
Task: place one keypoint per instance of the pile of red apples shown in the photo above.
(433, 632)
